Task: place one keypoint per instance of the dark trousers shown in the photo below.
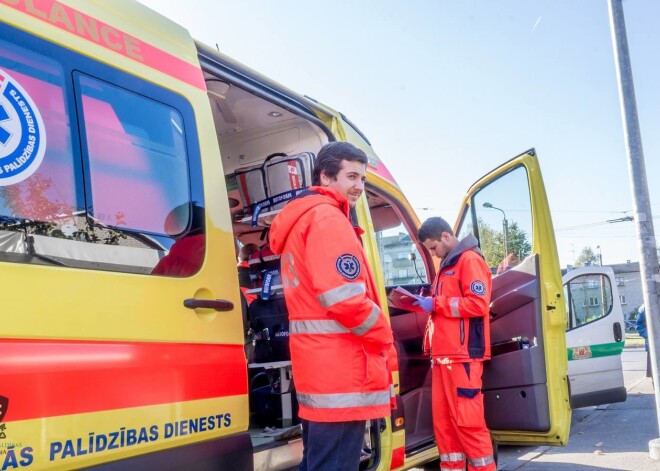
(332, 446)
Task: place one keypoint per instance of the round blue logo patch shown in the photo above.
(22, 133)
(478, 288)
(348, 266)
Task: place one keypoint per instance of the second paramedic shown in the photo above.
(338, 334)
(460, 342)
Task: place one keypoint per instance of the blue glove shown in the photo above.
(426, 303)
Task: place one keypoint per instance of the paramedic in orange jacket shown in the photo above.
(338, 334)
(460, 343)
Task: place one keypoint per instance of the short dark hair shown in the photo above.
(433, 229)
(247, 250)
(330, 156)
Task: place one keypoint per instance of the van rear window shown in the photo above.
(93, 174)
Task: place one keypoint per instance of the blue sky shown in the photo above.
(448, 90)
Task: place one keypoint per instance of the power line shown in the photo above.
(582, 226)
(598, 223)
(591, 236)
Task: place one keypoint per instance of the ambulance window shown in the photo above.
(588, 299)
(138, 183)
(112, 192)
(503, 216)
(400, 259)
(136, 158)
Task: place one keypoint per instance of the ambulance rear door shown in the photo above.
(594, 336)
(524, 384)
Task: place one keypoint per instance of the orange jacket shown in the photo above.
(462, 289)
(338, 335)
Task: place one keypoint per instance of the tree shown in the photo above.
(492, 243)
(587, 257)
(35, 211)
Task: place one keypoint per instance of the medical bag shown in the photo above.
(251, 184)
(287, 173)
(269, 326)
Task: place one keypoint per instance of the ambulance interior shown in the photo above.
(250, 128)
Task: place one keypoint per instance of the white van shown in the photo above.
(595, 336)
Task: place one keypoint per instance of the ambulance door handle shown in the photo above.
(217, 304)
(618, 332)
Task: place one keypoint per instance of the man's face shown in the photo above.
(439, 248)
(349, 181)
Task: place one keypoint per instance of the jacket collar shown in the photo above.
(468, 243)
(294, 210)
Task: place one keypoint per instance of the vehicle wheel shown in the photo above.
(432, 465)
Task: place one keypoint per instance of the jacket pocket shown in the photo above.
(476, 338)
(469, 407)
(376, 372)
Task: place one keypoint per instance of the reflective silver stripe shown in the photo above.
(317, 327)
(338, 401)
(290, 283)
(453, 303)
(456, 456)
(289, 276)
(368, 323)
(477, 462)
(341, 293)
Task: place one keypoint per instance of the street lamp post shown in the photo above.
(505, 226)
(600, 255)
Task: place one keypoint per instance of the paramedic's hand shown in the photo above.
(426, 303)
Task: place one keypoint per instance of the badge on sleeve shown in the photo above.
(348, 266)
(478, 288)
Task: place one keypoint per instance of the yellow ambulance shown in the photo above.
(135, 164)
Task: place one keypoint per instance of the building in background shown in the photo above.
(399, 259)
(629, 282)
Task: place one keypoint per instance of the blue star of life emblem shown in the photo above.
(348, 266)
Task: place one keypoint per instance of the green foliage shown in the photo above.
(492, 243)
(587, 257)
(35, 213)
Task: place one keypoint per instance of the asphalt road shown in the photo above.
(610, 437)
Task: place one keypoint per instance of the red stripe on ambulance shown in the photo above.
(50, 378)
(98, 32)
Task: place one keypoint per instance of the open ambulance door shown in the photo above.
(402, 261)
(594, 337)
(524, 384)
